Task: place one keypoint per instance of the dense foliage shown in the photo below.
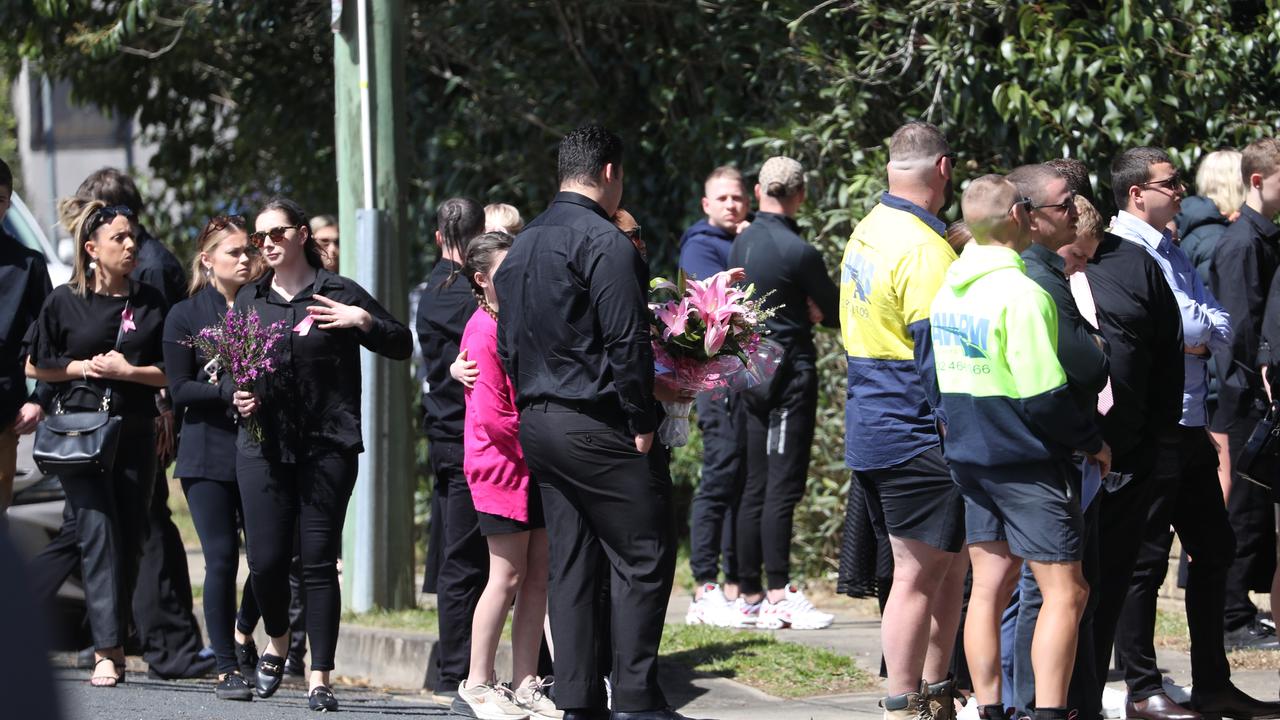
(239, 96)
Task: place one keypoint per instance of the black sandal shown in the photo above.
(106, 681)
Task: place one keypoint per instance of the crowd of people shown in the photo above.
(1037, 400)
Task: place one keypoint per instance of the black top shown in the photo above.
(157, 267)
(777, 260)
(24, 284)
(1085, 364)
(443, 313)
(1140, 320)
(312, 401)
(573, 321)
(73, 327)
(207, 444)
(1246, 259)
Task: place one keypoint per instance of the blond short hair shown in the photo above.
(1219, 179)
(1260, 157)
(1089, 221)
(504, 217)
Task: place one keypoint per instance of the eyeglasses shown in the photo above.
(1064, 206)
(1173, 182)
(276, 234)
(107, 214)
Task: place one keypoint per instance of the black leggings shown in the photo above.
(215, 506)
(308, 497)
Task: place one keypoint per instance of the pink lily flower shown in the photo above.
(717, 333)
(715, 298)
(674, 316)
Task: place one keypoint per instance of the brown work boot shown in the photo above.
(939, 700)
(909, 706)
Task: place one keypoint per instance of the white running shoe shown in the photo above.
(533, 699)
(708, 609)
(487, 702)
(741, 614)
(794, 611)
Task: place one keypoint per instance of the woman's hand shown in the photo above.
(246, 402)
(464, 370)
(110, 365)
(331, 315)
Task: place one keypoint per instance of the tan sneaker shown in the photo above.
(533, 699)
(903, 707)
(487, 702)
(939, 700)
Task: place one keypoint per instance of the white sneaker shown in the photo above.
(794, 611)
(708, 609)
(741, 614)
(487, 702)
(532, 698)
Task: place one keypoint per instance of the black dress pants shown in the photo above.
(1251, 511)
(604, 502)
(712, 528)
(1186, 495)
(779, 439)
(464, 564)
(308, 497)
(111, 526)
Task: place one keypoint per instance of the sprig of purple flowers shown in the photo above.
(241, 345)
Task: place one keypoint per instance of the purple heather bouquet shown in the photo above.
(241, 345)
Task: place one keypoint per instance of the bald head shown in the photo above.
(988, 206)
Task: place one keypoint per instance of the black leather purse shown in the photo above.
(1256, 462)
(77, 442)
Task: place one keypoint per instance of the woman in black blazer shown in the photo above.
(201, 392)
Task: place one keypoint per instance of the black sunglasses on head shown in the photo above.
(107, 214)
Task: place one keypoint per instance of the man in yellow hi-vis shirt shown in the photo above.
(893, 265)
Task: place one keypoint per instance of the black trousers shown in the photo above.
(604, 502)
(110, 528)
(779, 440)
(464, 564)
(1251, 511)
(308, 497)
(1186, 495)
(215, 510)
(249, 615)
(712, 528)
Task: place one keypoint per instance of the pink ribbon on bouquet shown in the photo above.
(126, 320)
(304, 325)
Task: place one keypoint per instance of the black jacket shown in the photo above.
(778, 261)
(573, 317)
(312, 402)
(443, 312)
(208, 437)
(24, 285)
(1139, 318)
(1244, 263)
(1200, 226)
(158, 268)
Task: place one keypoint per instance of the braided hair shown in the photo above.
(481, 253)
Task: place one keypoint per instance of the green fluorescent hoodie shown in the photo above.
(995, 335)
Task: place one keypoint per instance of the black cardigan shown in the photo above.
(207, 444)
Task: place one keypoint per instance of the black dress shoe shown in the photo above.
(665, 714)
(1158, 707)
(270, 673)
(1256, 635)
(294, 668)
(1231, 702)
(233, 687)
(321, 699)
(247, 658)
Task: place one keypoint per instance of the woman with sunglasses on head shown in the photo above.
(302, 473)
(202, 395)
(98, 341)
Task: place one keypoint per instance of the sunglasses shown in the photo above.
(1025, 202)
(222, 222)
(1064, 206)
(276, 234)
(1173, 182)
(107, 214)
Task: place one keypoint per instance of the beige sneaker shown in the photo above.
(903, 707)
(532, 698)
(487, 702)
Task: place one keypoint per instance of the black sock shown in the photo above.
(991, 712)
(1051, 713)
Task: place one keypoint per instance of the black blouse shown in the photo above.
(207, 443)
(73, 327)
(311, 402)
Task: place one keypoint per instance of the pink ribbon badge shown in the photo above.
(304, 325)
(126, 320)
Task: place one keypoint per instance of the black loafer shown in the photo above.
(321, 699)
(247, 658)
(233, 687)
(270, 673)
(295, 668)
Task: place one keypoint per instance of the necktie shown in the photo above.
(1084, 300)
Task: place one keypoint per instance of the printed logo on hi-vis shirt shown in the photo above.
(968, 332)
(859, 272)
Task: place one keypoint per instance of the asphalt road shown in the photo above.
(144, 699)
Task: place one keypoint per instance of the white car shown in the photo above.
(20, 223)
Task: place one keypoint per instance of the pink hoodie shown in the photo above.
(493, 460)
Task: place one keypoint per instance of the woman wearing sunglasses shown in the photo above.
(303, 472)
(102, 332)
(224, 262)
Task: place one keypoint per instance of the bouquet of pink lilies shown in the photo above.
(708, 336)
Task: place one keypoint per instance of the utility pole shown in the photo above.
(370, 122)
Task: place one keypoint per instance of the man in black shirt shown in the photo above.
(780, 419)
(1244, 263)
(573, 335)
(457, 556)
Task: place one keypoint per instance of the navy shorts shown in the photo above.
(1035, 507)
(916, 500)
(491, 524)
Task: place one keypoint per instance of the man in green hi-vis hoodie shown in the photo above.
(1012, 426)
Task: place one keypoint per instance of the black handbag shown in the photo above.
(77, 442)
(80, 442)
(1256, 462)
